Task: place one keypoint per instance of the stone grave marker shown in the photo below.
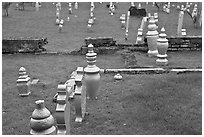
(180, 22)
(162, 46)
(42, 122)
(80, 98)
(152, 36)
(23, 83)
(63, 111)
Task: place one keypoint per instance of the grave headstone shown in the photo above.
(80, 96)
(139, 39)
(132, 4)
(156, 17)
(152, 36)
(76, 5)
(63, 111)
(200, 19)
(143, 23)
(122, 19)
(42, 122)
(23, 83)
(127, 25)
(183, 32)
(162, 46)
(70, 8)
(139, 6)
(61, 25)
(180, 22)
(37, 6)
(92, 76)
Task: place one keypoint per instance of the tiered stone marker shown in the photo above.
(23, 83)
(92, 76)
(122, 20)
(80, 96)
(70, 8)
(63, 111)
(156, 17)
(152, 36)
(61, 23)
(139, 39)
(139, 6)
(162, 45)
(76, 5)
(180, 22)
(37, 6)
(168, 7)
(183, 32)
(132, 4)
(127, 25)
(42, 122)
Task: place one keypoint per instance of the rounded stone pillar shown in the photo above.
(152, 36)
(92, 76)
(42, 122)
(162, 45)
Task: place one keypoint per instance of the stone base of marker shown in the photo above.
(162, 60)
(23, 85)
(92, 86)
(152, 53)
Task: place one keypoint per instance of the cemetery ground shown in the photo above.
(29, 23)
(138, 104)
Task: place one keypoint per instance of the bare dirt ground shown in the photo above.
(164, 104)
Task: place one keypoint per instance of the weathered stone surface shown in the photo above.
(41, 122)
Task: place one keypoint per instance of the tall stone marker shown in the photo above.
(92, 76)
(180, 22)
(80, 96)
(162, 46)
(152, 36)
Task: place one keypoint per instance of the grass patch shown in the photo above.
(139, 104)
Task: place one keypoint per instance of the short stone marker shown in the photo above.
(34, 81)
(183, 32)
(139, 39)
(118, 77)
(42, 122)
(156, 17)
(122, 20)
(23, 83)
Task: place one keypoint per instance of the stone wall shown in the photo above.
(23, 45)
(176, 43)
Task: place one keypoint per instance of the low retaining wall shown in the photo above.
(25, 45)
(176, 43)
